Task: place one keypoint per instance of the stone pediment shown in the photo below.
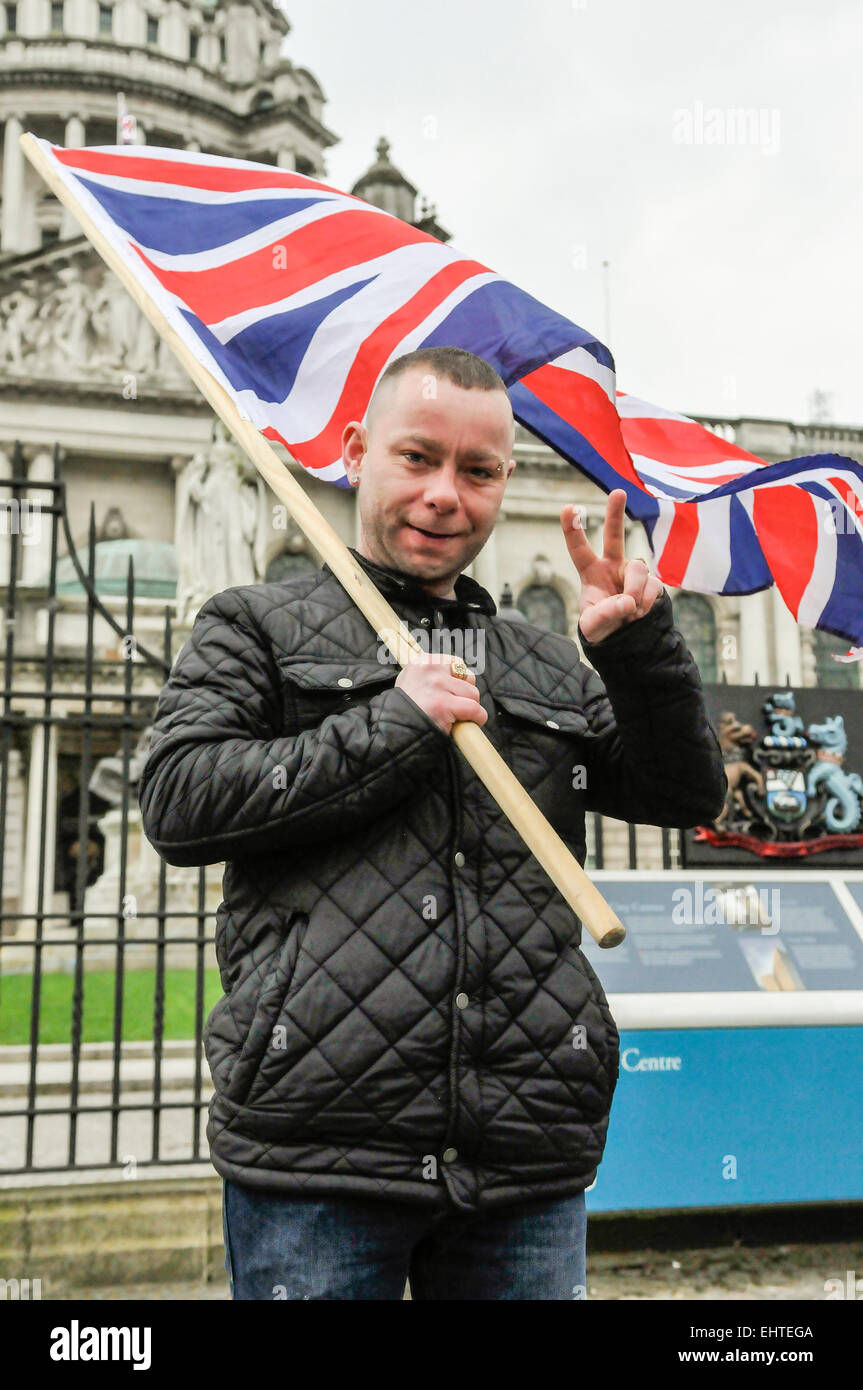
(66, 321)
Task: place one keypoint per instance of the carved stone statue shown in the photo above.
(65, 318)
(80, 322)
(17, 312)
(222, 523)
(107, 779)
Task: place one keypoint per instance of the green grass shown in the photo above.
(139, 992)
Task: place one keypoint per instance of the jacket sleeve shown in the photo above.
(651, 756)
(221, 782)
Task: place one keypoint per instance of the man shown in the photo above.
(413, 1061)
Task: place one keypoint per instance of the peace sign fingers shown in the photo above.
(613, 530)
(581, 551)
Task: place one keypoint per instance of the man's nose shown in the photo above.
(441, 490)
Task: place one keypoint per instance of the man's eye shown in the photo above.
(411, 454)
(483, 472)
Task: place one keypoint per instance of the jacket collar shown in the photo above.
(393, 584)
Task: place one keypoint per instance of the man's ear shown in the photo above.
(510, 466)
(355, 442)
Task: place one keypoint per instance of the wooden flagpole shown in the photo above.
(543, 841)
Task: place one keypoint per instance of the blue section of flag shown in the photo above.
(511, 330)
(748, 569)
(178, 227)
(266, 356)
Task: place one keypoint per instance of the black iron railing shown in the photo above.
(52, 1113)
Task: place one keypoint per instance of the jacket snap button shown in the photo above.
(461, 1001)
(551, 724)
(449, 1155)
(458, 859)
(425, 621)
(345, 681)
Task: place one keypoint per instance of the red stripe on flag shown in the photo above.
(684, 445)
(786, 522)
(340, 242)
(185, 175)
(583, 404)
(851, 499)
(672, 564)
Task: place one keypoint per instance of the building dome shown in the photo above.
(155, 565)
(386, 186)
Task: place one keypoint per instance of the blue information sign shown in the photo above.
(734, 1116)
(710, 936)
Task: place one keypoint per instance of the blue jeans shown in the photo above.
(281, 1246)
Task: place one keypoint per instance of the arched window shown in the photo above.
(287, 565)
(544, 606)
(834, 673)
(693, 615)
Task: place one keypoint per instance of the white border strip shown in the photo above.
(738, 1009)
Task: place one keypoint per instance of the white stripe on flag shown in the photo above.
(710, 560)
(633, 408)
(396, 277)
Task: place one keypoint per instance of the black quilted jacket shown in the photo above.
(407, 1011)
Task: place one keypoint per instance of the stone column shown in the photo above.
(43, 772)
(808, 662)
(754, 646)
(74, 139)
(485, 568)
(5, 523)
(787, 655)
(11, 238)
(13, 834)
(36, 522)
(728, 646)
(285, 158)
(637, 546)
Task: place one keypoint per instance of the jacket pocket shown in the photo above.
(268, 1005)
(313, 689)
(542, 714)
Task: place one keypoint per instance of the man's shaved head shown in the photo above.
(456, 365)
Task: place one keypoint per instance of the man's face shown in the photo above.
(431, 469)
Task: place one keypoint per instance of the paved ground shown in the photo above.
(775, 1274)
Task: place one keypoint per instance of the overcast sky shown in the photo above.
(555, 134)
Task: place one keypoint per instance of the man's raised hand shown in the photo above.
(614, 592)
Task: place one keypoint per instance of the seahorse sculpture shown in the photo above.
(844, 789)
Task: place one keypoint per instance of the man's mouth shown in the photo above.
(434, 535)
